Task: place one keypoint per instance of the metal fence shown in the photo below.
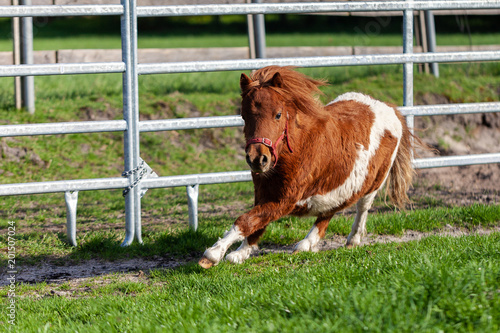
(137, 176)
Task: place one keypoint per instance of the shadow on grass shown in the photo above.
(179, 243)
(53, 248)
(50, 258)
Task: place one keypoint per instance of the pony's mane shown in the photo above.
(296, 87)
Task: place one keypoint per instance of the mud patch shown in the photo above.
(88, 269)
(465, 179)
(19, 154)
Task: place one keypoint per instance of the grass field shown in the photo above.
(439, 283)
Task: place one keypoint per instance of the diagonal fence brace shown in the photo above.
(149, 174)
(142, 171)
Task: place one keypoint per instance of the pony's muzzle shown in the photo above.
(259, 158)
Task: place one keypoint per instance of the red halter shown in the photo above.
(269, 143)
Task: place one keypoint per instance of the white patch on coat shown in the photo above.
(242, 253)
(309, 242)
(216, 252)
(385, 119)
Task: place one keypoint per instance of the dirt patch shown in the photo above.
(106, 112)
(409, 235)
(461, 135)
(465, 179)
(332, 242)
(18, 154)
(51, 273)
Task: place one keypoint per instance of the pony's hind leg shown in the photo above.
(316, 233)
(246, 248)
(359, 226)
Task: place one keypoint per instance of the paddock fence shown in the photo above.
(137, 176)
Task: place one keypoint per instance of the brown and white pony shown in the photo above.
(308, 159)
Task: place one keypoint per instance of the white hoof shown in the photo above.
(353, 241)
(214, 254)
(309, 243)
(304, 245)
(242, 253)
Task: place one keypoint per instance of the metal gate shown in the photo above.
(137, 176)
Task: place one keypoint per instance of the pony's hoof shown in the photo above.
(305, 245)
(350, 246)
(235, 258)
(205, 263)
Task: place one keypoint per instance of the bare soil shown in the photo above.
(461, 135)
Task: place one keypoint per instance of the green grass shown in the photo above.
(437, 284)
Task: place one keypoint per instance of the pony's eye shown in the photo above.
(278, 116)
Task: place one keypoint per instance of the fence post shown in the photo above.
(259, 33)
(431, 39)
(408, 66)
(28, 82)
(421, 39)
(131, 116)
(16, 57)
(192, 195)
(251, 37)
(71, 199)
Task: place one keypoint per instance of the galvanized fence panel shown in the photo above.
(137, 176)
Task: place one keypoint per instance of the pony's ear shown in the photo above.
(244, 82)
(277, 80)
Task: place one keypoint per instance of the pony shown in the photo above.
(308, 159)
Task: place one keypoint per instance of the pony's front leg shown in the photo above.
(214, 254)
(248, 227)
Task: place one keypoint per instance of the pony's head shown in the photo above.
(271, 99)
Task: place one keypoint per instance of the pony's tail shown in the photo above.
(402, 172)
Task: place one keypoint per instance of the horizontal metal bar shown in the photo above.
(447, 161)
(63, 128)
(211, 122)
(197, 179)
(241, 9)
(356, 60)
(63, 186)
(58, 10)
(190, 123)
(62, 69)
(205, 179)
(245, 64)
(445, 109)
(119, 183)
(308, 7)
